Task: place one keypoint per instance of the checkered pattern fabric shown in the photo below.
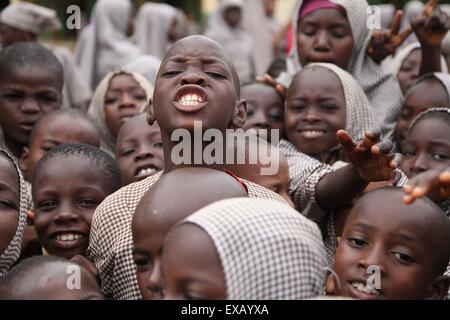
(111, 241)
(267, 250)
(381, 88)
(12, 252)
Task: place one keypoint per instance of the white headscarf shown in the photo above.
(381, 88)
(236, 42)
(12, 252)
(108, 46)
(393, 65)
(359, 113)
(96, 110)
(153, 22)
(387, 15)
(268, 250)
(262, 29)
(410, 10)
(30, 17)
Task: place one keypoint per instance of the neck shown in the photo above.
(13, 147)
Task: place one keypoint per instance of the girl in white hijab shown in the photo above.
(10, 250)
(247, 249)
(382, 89)
(97, 109)
(107, 46)
(237, 43)
(156, 28)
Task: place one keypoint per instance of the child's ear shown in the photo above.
(23, 161)
(240, 114)
(439, 288)
(151, 112)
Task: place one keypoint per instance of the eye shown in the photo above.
(141, 263)
(127, 152)
(439, 157)
(403, 257)
(308, 30)
(329, 107)
(13, 96)
(169, 74)
(297, 107)
(8, 205)
(158, 145)
(216, 75)
(88, 202)
(48, 98)
(276, 117)
(409, 153)
(193, 296)
(47, 205)
(110, 100)
(357, 243)
(140, 97)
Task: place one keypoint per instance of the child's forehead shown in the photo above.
(31, 74)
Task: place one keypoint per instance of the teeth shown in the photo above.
(146, 172)
(68, 237)
(313, 134)
(364, 288)
(190, 100)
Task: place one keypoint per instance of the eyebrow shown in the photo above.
(403, 237)
(183, 59)
(364, 226)
(5, 187)
(140, 251)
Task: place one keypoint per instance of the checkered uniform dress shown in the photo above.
(381, 88)
(12, 251)
(267, 250)
(111, 240)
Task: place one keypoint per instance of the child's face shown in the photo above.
(191, 266)
(51, 284)
(384, 232)
(425, 95)
(314, 113)
(25, 96)
(409, 70)
(139, 152)
(232, 16)
(9, 202)
(426, 147)
(123, 99)
(264, 108)
(53, 132)
(325, 36)
(195, 83)
(63, 211)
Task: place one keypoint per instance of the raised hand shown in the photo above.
(272, 82)
(435, 181)
(384, 43)
(371, 157)
(431, 25)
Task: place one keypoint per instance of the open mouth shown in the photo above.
(27, 125)
(67, 240)
(145, 171)
(191, 98)
(362, 290)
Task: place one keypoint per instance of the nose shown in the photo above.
(65, 217)
(30, 105)
(373, 256)
(191, 77)
(420, 163)
(144, 152)
(322, 42)
(260, 120)
(154, 280)
(310, 115)
(127, 102)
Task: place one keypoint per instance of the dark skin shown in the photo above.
(264, 108)
(233, 16)
(156, 213)
(63, 212)
(325, 35)
(49, 282)
(139, 151)
(314, 113)
(25, 95)
(53, 131)
(123, 99)
(430, 28)
(382, 231)
(195, 65)
(427, 147)
(409, 70)
(434, 181)
(427, 94)
(191, 266)
(9, 202)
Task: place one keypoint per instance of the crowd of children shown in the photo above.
(357, 128)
